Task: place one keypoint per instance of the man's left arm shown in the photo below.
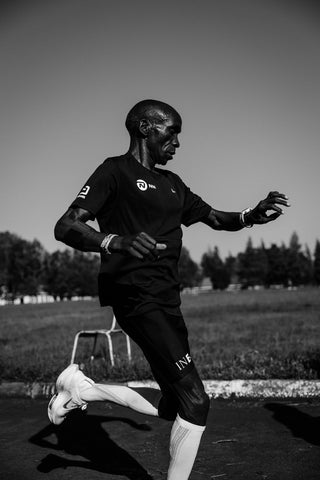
(233, 221)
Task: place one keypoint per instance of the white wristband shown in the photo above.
(242, 218)
(106, 242)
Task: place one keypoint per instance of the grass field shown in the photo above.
(261, 334)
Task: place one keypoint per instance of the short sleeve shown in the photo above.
(194, 208)
(100, 188)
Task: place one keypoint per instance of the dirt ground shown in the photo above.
(244, 440)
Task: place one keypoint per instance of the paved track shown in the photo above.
(244, 441)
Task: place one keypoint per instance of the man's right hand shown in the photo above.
(139, 245)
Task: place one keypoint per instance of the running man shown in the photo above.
(140, 209)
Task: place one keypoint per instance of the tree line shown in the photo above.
(26, 268)
(284, 266)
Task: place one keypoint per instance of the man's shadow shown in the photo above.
(301, 424)
(82, 434)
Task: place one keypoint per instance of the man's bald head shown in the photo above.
(153, 110)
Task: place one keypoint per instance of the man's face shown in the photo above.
(162, 140)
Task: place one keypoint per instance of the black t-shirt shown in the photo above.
(127, 198)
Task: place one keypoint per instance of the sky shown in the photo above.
(243, 74)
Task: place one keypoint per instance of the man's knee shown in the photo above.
(168, 408)
(194, 403)
(195, 410)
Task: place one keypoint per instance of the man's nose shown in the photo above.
(176, 142)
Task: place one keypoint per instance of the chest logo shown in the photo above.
(142, 185)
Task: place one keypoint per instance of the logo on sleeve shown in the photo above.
(84, 192)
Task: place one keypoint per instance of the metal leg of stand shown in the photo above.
(94, 333)
(94, 346)
(75, 346)
(110, 348)
(128, 347)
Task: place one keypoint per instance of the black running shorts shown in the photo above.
(163, 338)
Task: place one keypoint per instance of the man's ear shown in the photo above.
(144, 126)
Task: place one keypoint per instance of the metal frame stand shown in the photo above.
(107, 334)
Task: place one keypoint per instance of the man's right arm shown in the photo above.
(73, 230)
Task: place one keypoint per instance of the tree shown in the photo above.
(25, 267)
(299, 263)
(188, 270)
(84, 274)
(316, 263)
(307, 271)
(71, 273)
(252, 265)
(7, 240)
(58, 274)
(277, 265)
(214, 268)
(230, 264)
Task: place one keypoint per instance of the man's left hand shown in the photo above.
(273, 202)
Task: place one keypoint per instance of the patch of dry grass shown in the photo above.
(262, 334)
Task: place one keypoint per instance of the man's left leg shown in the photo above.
(164, 341)
(183, 401)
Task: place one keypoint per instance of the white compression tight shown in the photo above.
(119, 394)
(185, 436)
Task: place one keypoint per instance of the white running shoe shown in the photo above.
(68, 396)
